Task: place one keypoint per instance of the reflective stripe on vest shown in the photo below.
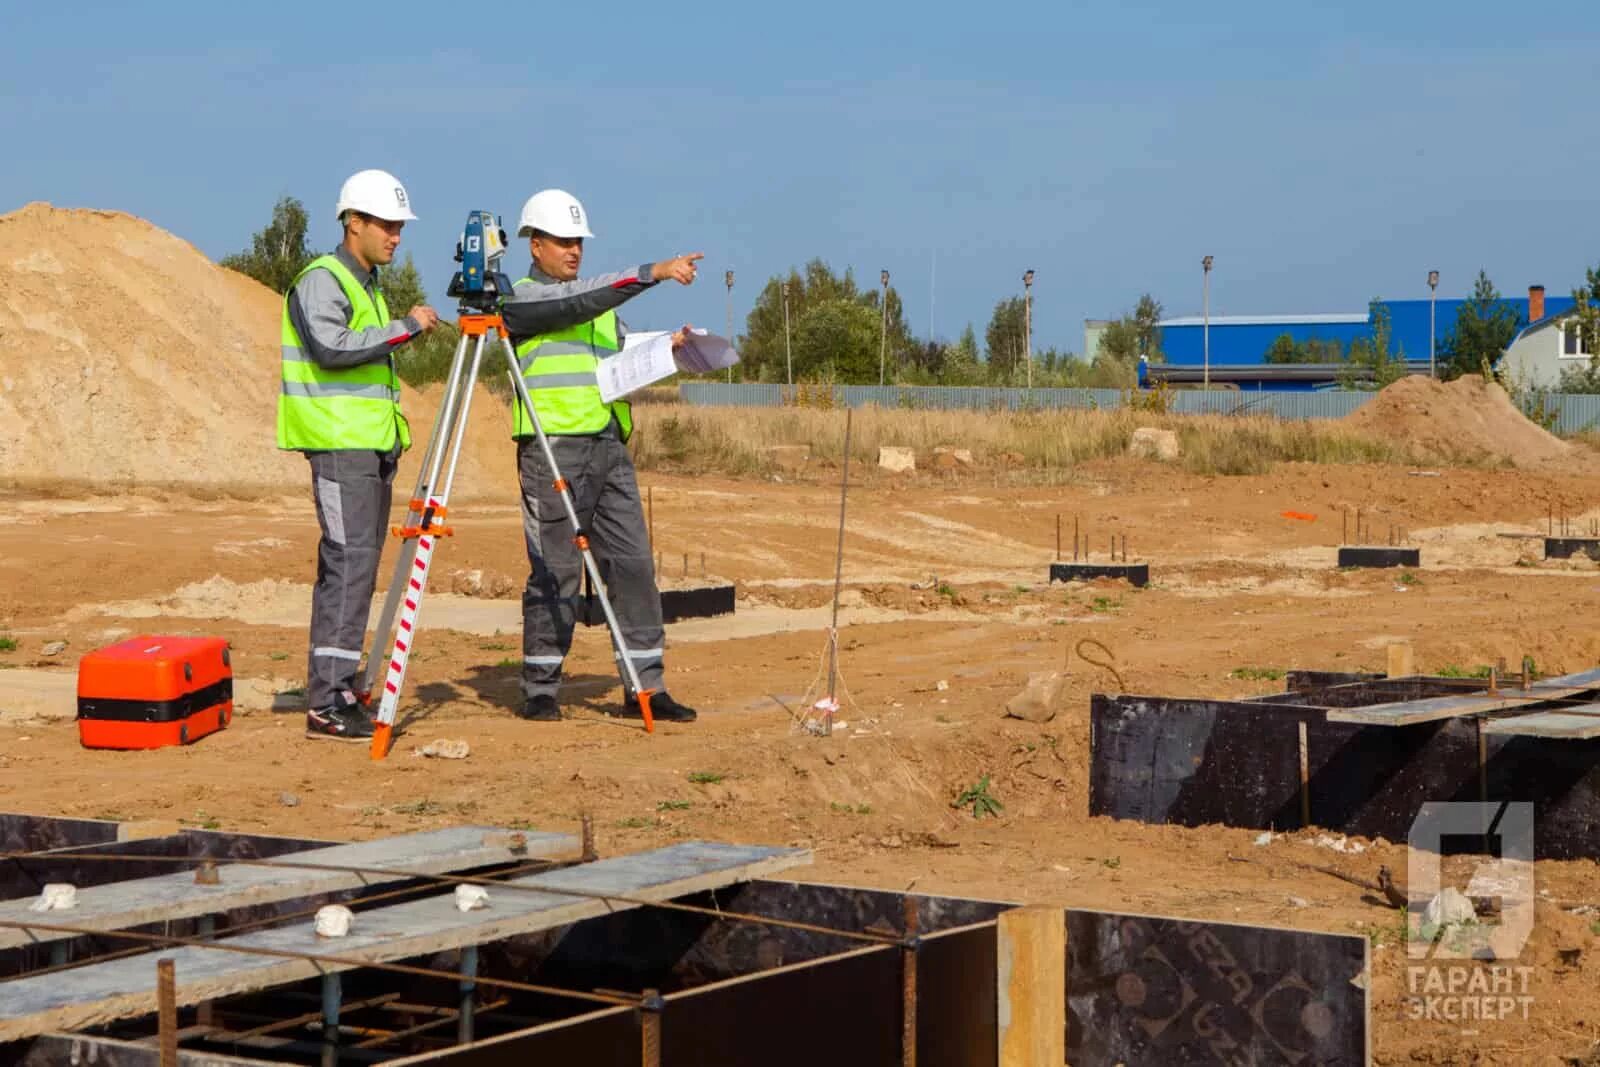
(559, 370)
(356, 407)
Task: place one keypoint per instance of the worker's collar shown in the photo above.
(540, 276)
(353, 265)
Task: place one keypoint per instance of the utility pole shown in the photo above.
(728, 277)
(1433, 300)
(1027, 321)
(883, 334)
(1206, 303)
(788, 354)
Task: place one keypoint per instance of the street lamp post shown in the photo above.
(1206, 303)
(1433, 299)
(728, 277)
(1027, 321)
(788, 353)
(883, 334)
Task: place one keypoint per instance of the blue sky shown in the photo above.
(1322, 153)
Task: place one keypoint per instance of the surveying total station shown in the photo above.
(479, 288)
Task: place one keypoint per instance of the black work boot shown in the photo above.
(542, 708)
(343, 720)
(662, 709)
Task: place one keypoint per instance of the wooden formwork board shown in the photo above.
(104, 992)
(1411, 712)
(118, 905)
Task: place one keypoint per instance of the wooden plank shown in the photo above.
(1569, 723)
(1031, 986)
(62, 1050)
(1411, 712)
(1401, 663)
(176, 896)
(1589, 678)
(124, 988)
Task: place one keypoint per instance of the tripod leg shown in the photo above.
(417, 580)
(408, 546)
(581, 538)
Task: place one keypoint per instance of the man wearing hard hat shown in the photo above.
(562, 326)
(340, 405)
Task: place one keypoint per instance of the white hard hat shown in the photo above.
(377, 193)
(554, 212)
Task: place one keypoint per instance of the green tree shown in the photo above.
(1322, 350)
(961, 363)
(1372, 364)
(837, 340)
(427, 358)
(1585, 377)
(1284, 350)
(1147, 324)
(1484, 327)
(278, 252)
(761, 348)
(1119, 341)
(1004, 340)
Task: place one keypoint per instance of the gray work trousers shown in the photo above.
(353, 491)
(606, 496)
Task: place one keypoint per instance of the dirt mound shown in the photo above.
(1467, 419)
(128, 358)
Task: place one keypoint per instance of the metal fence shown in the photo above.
(1301, 405)
(1571, 413)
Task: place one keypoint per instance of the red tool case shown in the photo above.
(153, 691)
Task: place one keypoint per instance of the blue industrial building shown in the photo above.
(1239, 343)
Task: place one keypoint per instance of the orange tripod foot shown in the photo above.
(644, 711)
(382, 734)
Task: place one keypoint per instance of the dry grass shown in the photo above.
(736, 441)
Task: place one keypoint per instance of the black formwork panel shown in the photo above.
(1238, 763)
(1151, 991)
(1569, 547)
(40, 833)
(1141, 991)
(1379, 556)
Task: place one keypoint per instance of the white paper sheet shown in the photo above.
(647, 357)
(705, 352)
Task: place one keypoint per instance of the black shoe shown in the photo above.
(542, 708)
(344, 720)
(662, 709)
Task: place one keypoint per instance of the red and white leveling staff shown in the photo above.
(423, 529)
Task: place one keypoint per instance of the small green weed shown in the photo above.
(508, 662)
(8, 643)
(419, 807)
(846, 809)
(673, 805)
(1452, 670)
(1112, 862)
(496, 646)
(278, 657)
(633, 822)
(1256, 674)
(705, 777)
(1408, 578)
(946, 590)
(1103, 604)
(979, 799)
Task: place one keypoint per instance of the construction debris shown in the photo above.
(1038, 702)
(334, 920)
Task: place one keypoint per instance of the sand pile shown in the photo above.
(1468, 419)
(129, 358)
